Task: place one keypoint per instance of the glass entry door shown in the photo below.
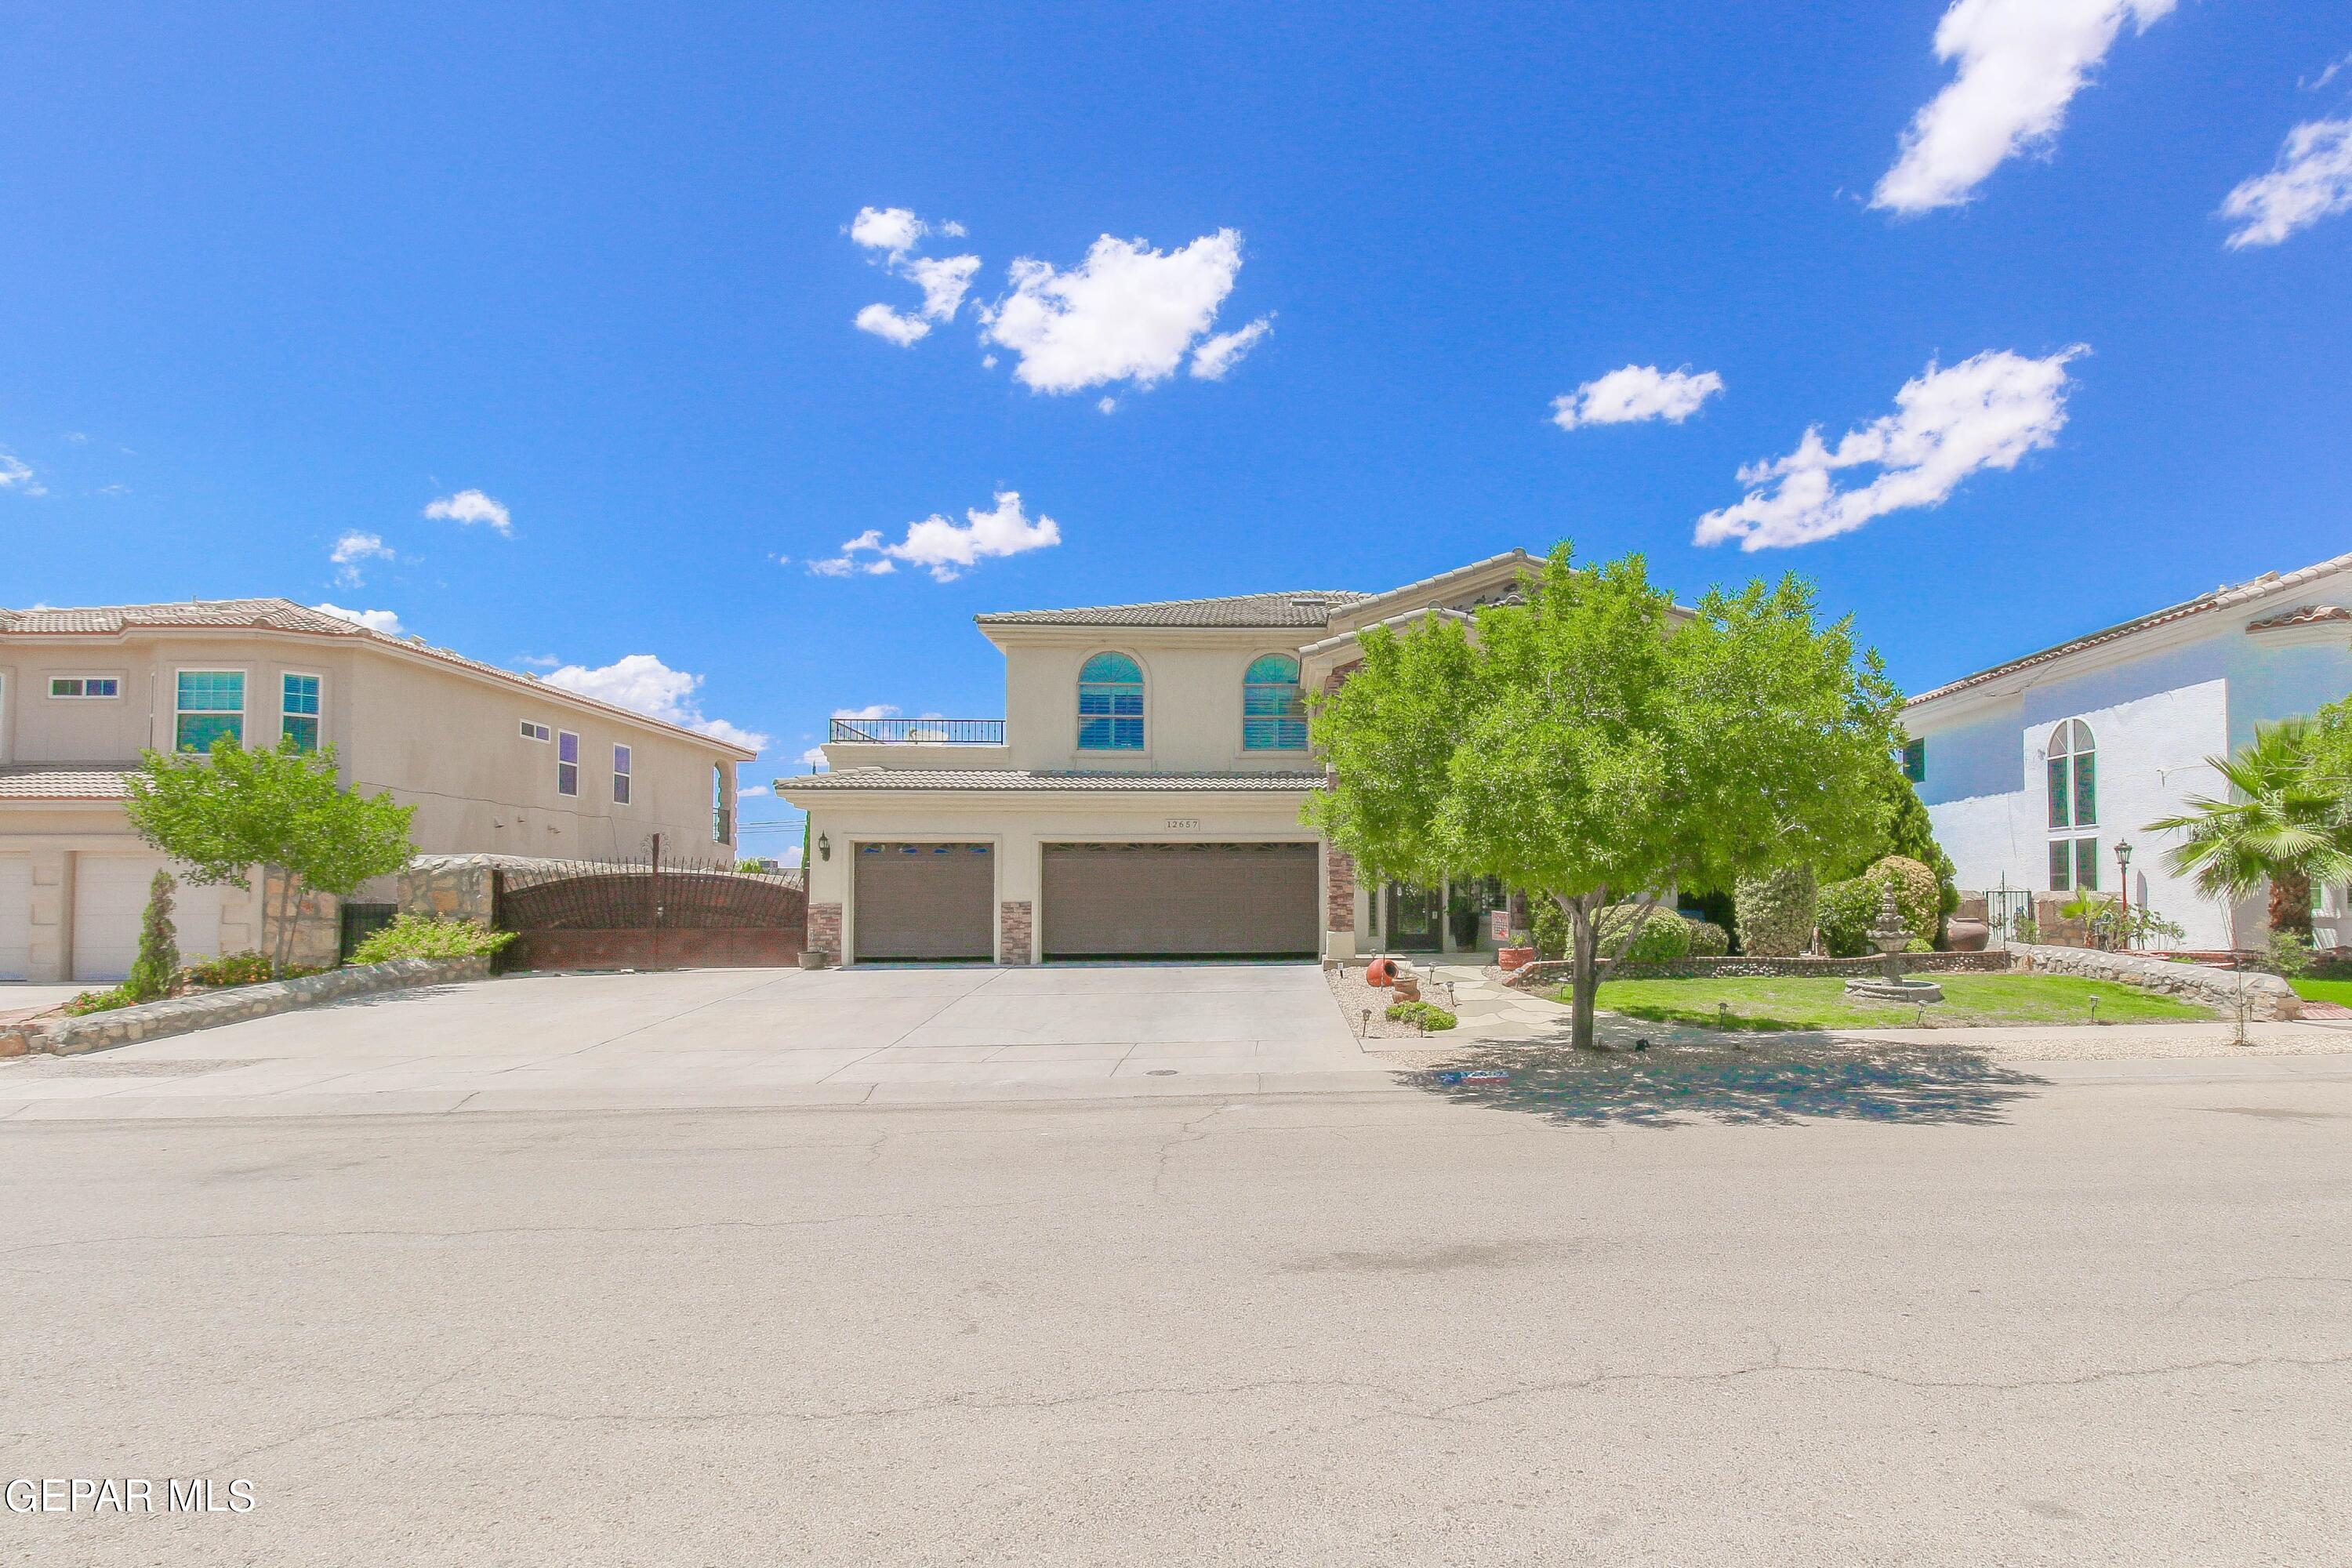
(1416, 919)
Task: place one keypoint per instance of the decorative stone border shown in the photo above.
(2267, 997)
(182, 1015)
(1546, 973)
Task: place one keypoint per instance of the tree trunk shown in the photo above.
(282, 952)
(1584, 977)
(2291, 903)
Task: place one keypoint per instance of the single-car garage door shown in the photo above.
(1180, 900)
(110, 897)
(933, 901)
(16, 916)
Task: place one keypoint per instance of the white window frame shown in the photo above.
(244, 712)
(722, 804)
(573, 736)
(531, 730)
(319, 718)
(113, 695)
(624, 779)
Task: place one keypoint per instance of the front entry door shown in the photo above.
(1416, 919)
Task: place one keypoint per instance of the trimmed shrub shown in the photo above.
(1708, 939)
(239, 969)
(1849, 910)
(1916, 894)
(1775, 913)
(159, 944)
(1548, 925)
(1427, 1014)
(1846, 912)
(1664, 935)
(412, 936)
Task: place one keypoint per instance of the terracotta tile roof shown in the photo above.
(63, 781)
(928, 779)
(2228, 596)
(1306, 609)
(2305, 616)
(286, 615)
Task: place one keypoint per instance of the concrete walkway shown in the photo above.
(703, 1038)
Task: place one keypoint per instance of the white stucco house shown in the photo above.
(2035, 771)
(1139, 798)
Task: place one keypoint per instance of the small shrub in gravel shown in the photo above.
(1422, 1014)
(410, 936)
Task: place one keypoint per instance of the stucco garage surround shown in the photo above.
(1020, 826)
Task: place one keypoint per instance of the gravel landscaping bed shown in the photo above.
(1348, 989)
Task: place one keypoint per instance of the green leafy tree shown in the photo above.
(1590, 745)
(159, 943)
(2283, 823)
(222, 812)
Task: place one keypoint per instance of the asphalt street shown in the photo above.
(2081, 1313)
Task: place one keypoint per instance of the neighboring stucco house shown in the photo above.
(1140, 799)
(2034, 771)
(494, 761)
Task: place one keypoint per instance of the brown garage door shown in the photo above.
(933, 901)
(1180, 900)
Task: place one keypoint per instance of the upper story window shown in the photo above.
(1274, 710)
(620, 776)
(298, 714)
(1915, 761)
(723, 817)
(531, 731)
(208, 704)
(1110, 704)
(567, 762)
(85, 686)
(2073, 777)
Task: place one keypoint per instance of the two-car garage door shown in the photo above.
(1180, 900)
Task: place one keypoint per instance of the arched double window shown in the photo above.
(1274, 711)
(1110, 704)
(2073, 781)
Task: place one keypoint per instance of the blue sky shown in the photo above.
(284, 278)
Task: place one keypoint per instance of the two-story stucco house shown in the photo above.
(1140, 799)
(494, 761)
(2037, 771)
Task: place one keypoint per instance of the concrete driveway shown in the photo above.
(730, 1037)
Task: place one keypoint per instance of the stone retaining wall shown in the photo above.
(1548, 972)
(182, 1015)
(2267, 997)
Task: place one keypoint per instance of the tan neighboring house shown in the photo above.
(1141, 798)
(493, 760)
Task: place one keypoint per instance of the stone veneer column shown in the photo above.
(1340, 893)
(824, 929)
(1013, 931)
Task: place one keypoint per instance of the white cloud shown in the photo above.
(841, 565)
(2335, 68)
(1636, 391)
(890, 325)
(751, 792)
(949, 550)
(1107, 405)
(470, 507)
(944, 283)
(1126, 312)
(1219, 355)
(2021, 62)
(2313, 181)
(814, 758)
(894, 230)
(353, 551)
(1984, 412)
(79, 436)
(382, 621)
(871, 710)
(644, 684)
(15, 475)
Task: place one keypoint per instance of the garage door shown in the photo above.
(934, 901)
(110, 896)
(16, 916)
(1180, 900)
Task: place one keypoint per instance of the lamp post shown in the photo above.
(2123, 887)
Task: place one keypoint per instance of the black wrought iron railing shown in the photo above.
(919, 732)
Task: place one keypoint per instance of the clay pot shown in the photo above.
(1380, 971)
(1966, 935)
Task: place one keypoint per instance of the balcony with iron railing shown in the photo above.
(916, 732)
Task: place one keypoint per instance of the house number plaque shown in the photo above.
(1177, 824)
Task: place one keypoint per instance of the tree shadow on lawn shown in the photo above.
(1779, 1079)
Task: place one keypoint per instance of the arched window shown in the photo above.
(2073, 788)
(1110, 704)
(1274, 713)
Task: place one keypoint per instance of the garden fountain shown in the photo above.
(1891, 936)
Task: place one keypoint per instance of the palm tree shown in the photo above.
(2281, 825)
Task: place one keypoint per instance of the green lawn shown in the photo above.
(2339, 991)
(1812, 1002)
